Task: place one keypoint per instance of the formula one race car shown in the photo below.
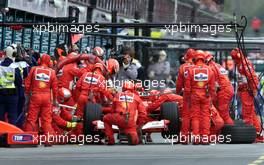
(11, 136)
(165, 120)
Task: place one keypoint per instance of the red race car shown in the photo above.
(163, 117)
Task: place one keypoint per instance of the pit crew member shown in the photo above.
(128, 114)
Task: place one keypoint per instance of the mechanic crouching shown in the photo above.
(128, 114)
(64, 120)
(64, 117)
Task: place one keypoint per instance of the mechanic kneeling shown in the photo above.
(128, 114)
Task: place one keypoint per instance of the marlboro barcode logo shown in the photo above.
(126, 98)
(91, 80)
(42, 75)
(201, 74)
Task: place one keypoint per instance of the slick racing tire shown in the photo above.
(169, 111)
(92, 112)
(239, 133)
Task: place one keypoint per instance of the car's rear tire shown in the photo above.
(92, 112)
(239, 133)
(169, 111)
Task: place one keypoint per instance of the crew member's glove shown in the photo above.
(71, 124)
(76, 119)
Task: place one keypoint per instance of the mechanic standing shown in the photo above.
(224, 90)
(128, 114)
(67, 74)
(10, 82)
(182, 73)
(199, 89)
(247, 89)
(41, 90)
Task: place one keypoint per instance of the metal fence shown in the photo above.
(44, 42)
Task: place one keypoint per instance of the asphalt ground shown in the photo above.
(158, 153)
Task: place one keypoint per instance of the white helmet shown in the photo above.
(10, 50)
(64, 94)
(98, 51)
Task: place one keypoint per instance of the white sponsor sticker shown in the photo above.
(125, 98)
(91, 80)
(201, 74)
(42, 75)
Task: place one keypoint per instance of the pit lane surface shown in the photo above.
(153, 154)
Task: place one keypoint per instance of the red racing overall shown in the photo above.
(199, 89)
(182, 74)
(40, 82)
(225, 92)
(128, 113)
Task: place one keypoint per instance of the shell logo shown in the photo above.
(200, 84)
(42, 84)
